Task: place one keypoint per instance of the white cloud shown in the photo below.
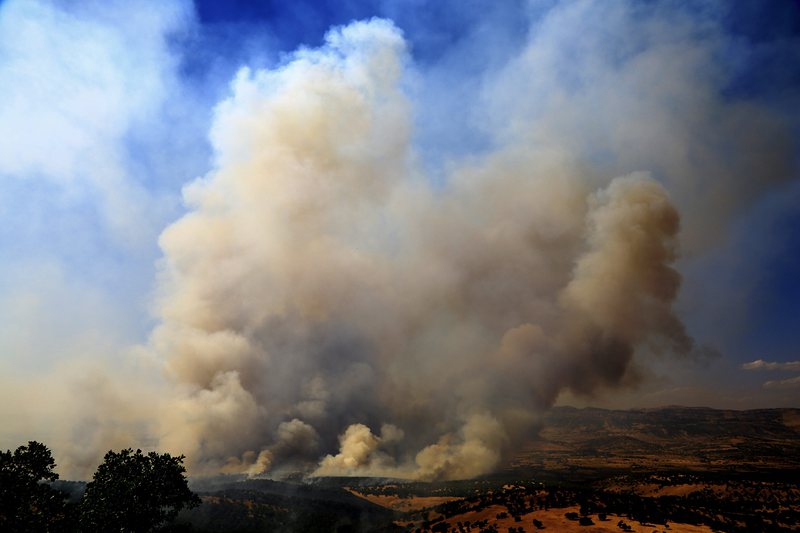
(760, 364)
(783, 383)
(75, 83)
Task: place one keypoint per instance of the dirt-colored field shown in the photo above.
(654, 490)
(555, 520)
(671, 438)
(397, 503)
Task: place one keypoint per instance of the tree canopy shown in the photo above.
(130, 492)
(133, 491)
(27, 503)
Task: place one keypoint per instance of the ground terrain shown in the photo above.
(671, 469)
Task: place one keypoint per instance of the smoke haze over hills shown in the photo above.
(330, 297)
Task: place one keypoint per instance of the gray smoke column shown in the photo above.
(324, 307)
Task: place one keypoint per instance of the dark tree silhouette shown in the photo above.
(135, 492)
(27, 503)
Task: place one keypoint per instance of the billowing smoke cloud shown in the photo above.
(320, 281)
(338, 301)
(88, 89)
(361, 451)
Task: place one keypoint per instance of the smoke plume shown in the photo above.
(402, 251)
(319, 288)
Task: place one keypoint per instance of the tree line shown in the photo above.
(129, 492)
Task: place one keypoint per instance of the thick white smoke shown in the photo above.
(320, 287)
(335, 299)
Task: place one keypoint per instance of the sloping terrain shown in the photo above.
(670, 469)
(669, 438)
(266, 505)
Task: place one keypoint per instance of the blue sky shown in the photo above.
(113, 112)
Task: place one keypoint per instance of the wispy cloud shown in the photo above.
(786, 366)
(760, 364)
(783, 383)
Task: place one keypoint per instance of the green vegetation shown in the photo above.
(27, 503)
(130, 492)
(135, 492)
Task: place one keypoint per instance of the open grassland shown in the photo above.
(667, 470)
